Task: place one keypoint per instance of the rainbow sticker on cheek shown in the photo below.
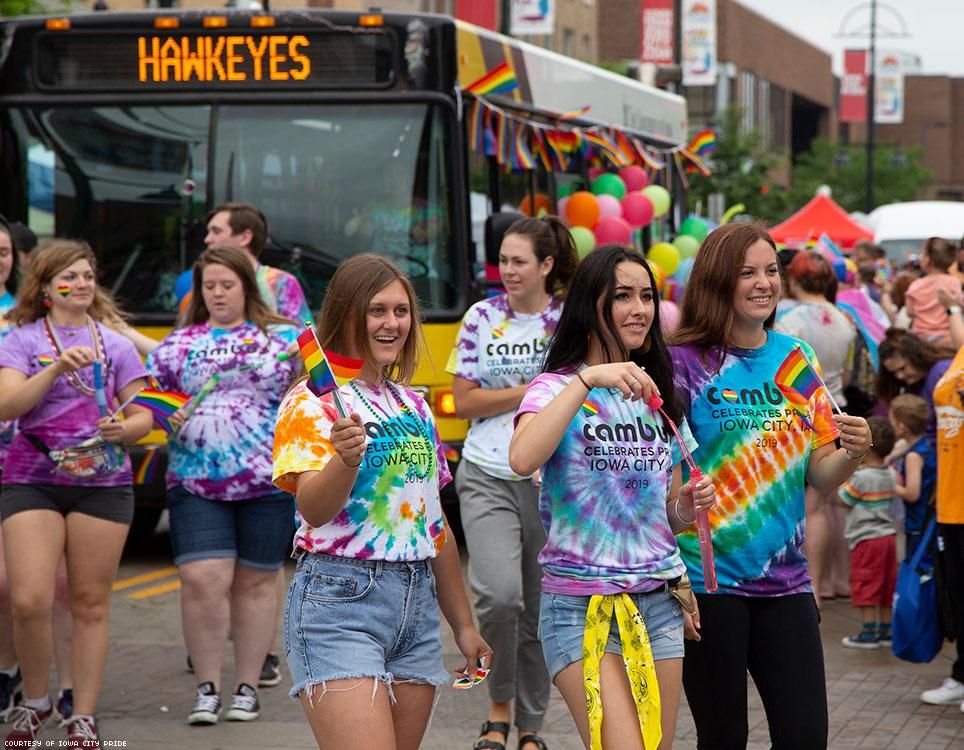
(63, 290)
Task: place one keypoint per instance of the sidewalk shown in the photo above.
(874, 698)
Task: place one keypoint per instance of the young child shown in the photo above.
(872, 537)
(929, 318)
(917, 469)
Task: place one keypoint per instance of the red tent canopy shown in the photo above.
(819, 216)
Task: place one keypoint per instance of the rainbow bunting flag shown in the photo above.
(162, 404)
(797, 381)
(703, 143)
(523, 156)
(500, 80)
(572, 114)
(326, 370)
(607, 148)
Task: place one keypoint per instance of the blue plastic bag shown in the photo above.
(917, 635)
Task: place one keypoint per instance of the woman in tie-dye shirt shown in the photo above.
(761, 451)
(366, 466)
(230, 528)
(498, 351)
(612, 498)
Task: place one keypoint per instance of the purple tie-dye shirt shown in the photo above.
(499, 348)
(603, 495)
(223, 452)
(64, 417)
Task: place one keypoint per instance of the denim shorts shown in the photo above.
(562, 627)
(256, 532)
(348, 618)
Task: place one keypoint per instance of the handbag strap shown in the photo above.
(37, 443)
(925, 543)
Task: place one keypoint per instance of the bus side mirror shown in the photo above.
(495, 229)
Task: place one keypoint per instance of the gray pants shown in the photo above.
(504, 535)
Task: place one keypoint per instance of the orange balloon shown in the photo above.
(582, 209)
(542, 205)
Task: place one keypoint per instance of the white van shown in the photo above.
(901, 228)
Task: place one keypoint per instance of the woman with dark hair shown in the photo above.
(67, 484)
(230, 528)
(816, 321)
(612, 500)
(762, 450)
(499, 350)
(908, 364)
(377, 561)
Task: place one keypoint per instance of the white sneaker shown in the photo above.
(950, 692)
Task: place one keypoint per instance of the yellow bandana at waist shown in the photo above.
(638, 657)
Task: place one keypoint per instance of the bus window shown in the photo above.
(339, 179)
(127, 180)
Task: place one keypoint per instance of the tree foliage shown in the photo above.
(899, 174)
(32, 7)
(741, 171)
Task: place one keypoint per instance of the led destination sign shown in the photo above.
(224, 58)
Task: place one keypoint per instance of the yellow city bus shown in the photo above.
(348, 130)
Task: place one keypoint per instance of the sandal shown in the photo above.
(492, 726)
(533, 739)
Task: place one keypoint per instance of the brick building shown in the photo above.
(784, 84)
(933, 120)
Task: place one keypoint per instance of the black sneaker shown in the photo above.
(244, 704)
(11, 693)
(64, 708)
(865, 639)
(207, 706)
(270, 671)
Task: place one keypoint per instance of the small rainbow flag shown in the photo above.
(703, 143)
(63, 290)
(147, 470)
(589, 408)
(162, 404)
(44, 360)
(797, 381)
(326, 370)
(500, 80)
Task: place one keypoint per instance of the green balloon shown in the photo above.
(584, 239)
(563, 190)
(660, 198)
(694, 227)
(687, 245)
(609, 183)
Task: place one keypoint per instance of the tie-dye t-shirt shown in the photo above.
(223, 452)
(8, 427)
(64, 417)
(757, 448)
(393, 510)
(499, 348)
(280, 291)
(603, 494)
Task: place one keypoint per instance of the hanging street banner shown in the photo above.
(699, 42)
(657, 33)
(853, 86)
(889, 85)
(532, 17)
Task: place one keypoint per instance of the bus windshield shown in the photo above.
(332, 179)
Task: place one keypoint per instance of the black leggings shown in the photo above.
(778, 641)
(953, 536)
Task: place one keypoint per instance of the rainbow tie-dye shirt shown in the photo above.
(393, 510)
(756, 447)
(499, 348)
(603, 494)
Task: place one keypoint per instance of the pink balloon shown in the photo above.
(668, 315)
(613, 230)
(634, 177)
(561, 207)
(608, 205)
(637, 209)
(594, 172)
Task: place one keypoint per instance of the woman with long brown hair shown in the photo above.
(761, 450)
(67, 484)
(363, 633)
(230, 528)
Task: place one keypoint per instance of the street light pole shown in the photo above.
(871, 102)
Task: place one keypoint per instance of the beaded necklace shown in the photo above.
(72, 377)
(413, 468)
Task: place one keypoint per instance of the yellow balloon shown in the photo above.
(660, 198)
(666, 256)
